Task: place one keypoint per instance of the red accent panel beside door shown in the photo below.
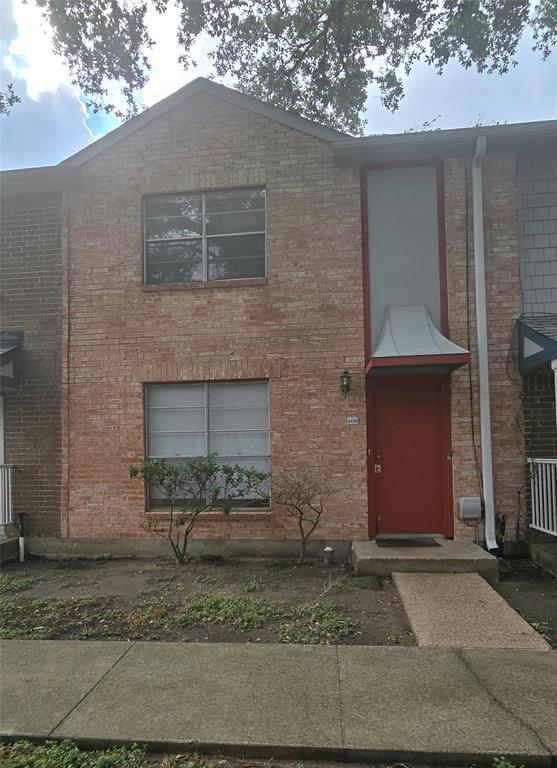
(409, 472)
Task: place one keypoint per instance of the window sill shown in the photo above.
(199, 285)
(238, 514)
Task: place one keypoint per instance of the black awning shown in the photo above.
(537, 341)
(11, 343)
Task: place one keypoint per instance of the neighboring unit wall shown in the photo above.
(540, 433)
(298, 329)
(503, 307)
(31, 300)
(538, 219)
(540, 430)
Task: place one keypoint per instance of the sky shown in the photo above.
(52, 121)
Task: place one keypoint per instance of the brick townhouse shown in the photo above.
(216, 273)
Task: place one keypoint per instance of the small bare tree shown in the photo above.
(302, 493)
(192, 487)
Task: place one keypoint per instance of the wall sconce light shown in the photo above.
(345, 382)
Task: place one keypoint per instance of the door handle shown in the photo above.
(377, 469)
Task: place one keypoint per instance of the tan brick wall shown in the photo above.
(503, 299)
(299, 330)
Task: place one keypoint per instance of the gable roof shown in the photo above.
(202, 85)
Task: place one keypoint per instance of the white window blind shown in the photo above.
(230, 419)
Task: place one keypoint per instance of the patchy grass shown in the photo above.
(23, 754)
(196, 761)
(533, 593)
(317, 623)
(153, 617)
(366, 582)
(98, 618)
(253, 584)
(209, 580)
(238, 613)
(504, 762)
(47, 619)
(77, 583)
(65, 754)
(542, 628)
(224, 601)
(10, 585)
(83, 618)
(164, 578)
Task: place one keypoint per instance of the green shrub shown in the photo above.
(191, 488)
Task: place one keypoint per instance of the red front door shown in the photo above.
(409, 464)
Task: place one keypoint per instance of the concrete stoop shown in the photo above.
(369, 559)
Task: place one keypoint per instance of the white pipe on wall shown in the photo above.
(483, 355)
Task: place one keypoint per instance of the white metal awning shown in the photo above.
(410, 332)
(409, 338)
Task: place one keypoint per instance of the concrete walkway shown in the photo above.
(461, 610)
(428, 705)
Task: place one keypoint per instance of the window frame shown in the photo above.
(204, 236)
(264, 508)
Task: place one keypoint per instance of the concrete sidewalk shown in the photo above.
(428, 705)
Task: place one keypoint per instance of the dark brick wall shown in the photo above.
(539, 414)
(31, 300)
(540, 430)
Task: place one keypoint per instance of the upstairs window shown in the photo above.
(204, 237)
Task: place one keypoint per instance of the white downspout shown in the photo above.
(483, 357)
(554, 369)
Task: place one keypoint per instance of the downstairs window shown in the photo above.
(230, 419)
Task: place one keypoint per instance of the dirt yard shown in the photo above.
(533, 593)
(218, 601)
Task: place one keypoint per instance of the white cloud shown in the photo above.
(50, 121)
(167, 74)
(42, 131)
(30, 56)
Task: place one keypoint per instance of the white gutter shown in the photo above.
(483, 358)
